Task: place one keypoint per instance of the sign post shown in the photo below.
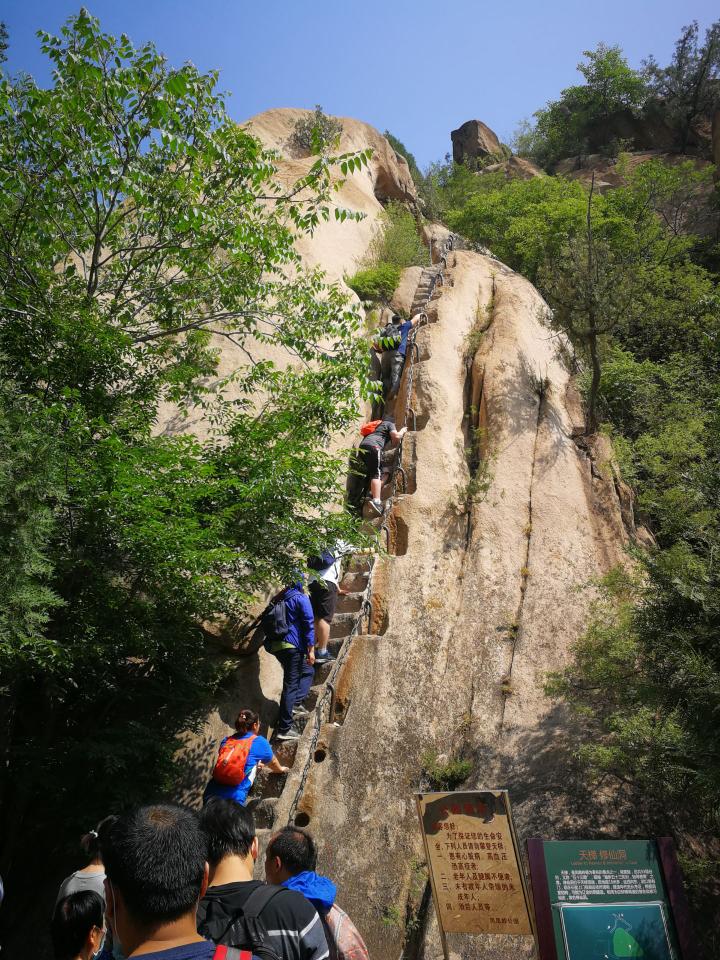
(477, 882)
(609, 899)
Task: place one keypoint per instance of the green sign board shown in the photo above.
(605, 900)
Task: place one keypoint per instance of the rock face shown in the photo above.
(388, 174)
(474, 140)
(486, 587)
(514, 168)
(504, 524)
(716, 141)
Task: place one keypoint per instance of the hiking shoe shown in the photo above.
(300, 713)
(291, 734)
(323, 656)
(377, 506)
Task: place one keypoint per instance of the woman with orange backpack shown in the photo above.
(239, 757)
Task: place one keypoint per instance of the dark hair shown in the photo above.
(91, 842)
(73, 919)
(295, 848)
(155, 856)
(246, 720)
(228, 828)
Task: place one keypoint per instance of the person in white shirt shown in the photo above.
(324, 589)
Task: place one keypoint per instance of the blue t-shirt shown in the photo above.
(189, 951)
(405, 329)
(259, 751)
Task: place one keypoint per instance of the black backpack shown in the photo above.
(322, 560)
(390, 336)
(274, 621)
(246, 931)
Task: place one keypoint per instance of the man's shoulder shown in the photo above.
(200, 950)
(285, 900)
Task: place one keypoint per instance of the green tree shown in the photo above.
(4, 39)
(140, 230)
(317, 131)
(687, 87)
(400, 148)
(563, 126)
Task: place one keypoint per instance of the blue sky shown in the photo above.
(415, 67)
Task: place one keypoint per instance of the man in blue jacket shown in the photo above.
(296, 653)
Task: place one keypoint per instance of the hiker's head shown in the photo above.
(289, 852)
(92, 841)
(156, 866)
(78, 926)
(229, 830)
(246, 721)
(396, 318)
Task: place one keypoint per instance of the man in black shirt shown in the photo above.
(370, 456)
(289, 923)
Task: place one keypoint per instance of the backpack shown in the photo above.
(367, 428)
(246, 934)
(273, 621)
(323, 560)
(230, 953)
(230, 765)
(392, 333)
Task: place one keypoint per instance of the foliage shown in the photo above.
(140, 229)
(3, 42)
(400, 148)
(444, 774)
(561, 128)
(448, 186)
(395, 246)
(316, 131)
(375, 284)
(398, 242)
(687, 87)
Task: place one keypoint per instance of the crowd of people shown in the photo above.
(167, 883)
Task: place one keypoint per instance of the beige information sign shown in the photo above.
(474, 865)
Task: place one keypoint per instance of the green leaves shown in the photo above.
(150, 286)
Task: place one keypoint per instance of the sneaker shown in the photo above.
(377, 506)
(290, 734)
(323, 656)
(300, 713)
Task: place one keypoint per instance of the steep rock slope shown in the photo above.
(480, 596)
(337, 248)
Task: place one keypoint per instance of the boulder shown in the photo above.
(474, 140)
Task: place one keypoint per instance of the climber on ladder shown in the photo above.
(376, 436)
(390, 347)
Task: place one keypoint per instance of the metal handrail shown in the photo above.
(329, 691)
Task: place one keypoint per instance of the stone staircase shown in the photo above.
(354, 611)
(351, 610)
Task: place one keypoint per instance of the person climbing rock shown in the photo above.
(91, 876)
(291, 860)
(295, 650)
(370, 455)
(156, 865)
(391, 346)
(239, 758)
(236, 907)
(324, 589)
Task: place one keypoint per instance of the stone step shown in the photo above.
(350, 602)
(342, 624)
(263, 811)
(355, 580)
